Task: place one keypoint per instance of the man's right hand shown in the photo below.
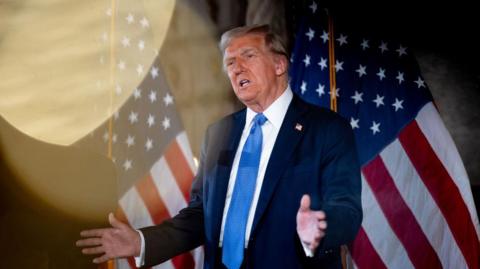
(116, 242)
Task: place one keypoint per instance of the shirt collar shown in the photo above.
(276, 111)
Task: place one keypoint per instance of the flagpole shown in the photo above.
(331, 58)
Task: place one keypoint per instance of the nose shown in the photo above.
(238, 67)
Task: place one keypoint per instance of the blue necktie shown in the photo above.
(237, 216)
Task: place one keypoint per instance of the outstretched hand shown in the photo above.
(311, 224)
(116, 242)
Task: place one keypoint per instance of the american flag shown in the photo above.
(416, 198)
(149, 146)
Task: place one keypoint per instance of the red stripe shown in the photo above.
(443, 190)
(180, 169)
(399, 216)
(364, 254)
(158, 212)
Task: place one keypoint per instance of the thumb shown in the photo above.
(115, 222)
(305, 203)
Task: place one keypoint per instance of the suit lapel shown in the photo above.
(288, 137)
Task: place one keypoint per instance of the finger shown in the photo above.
(94, 232)
(305, 203)
(88, 242)
(101, 259)
(115, 222)
(320, 215)
(322, 225)
(95, 250)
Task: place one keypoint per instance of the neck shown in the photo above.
(279, 89)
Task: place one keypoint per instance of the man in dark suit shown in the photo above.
(271, 177)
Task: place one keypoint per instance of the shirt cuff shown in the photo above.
(307, 250)
(140, 259)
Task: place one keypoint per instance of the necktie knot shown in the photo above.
(259, 119)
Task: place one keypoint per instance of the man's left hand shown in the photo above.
(311, 225)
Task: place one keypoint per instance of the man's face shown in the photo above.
(253, 70)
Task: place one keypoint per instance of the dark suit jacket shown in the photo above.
(319, 160)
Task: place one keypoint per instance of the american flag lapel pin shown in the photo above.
(298, 127)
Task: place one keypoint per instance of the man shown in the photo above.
(271, 177)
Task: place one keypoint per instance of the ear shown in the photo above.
(281, 64)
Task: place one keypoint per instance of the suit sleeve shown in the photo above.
(183, 232)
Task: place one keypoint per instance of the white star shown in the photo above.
(144, 22)
(292, 58)
(357, 97)
(307, 60)
(130, 141)
(102, 59)
(125, 42)
(336, 91)
(152, 96)
(127, 165)
(108, 12)
(362, 70)
(133, 117)
(313, 7)
(322, 63)
(104, 37)
(342, 39)
(168, 99)
(105, 136)
(420, 82)
(397, 104)
(137, 93)
(338, 66)
(154, 72)
(139, 69)
(141, 45)
(310, 34)
(303, 88)
(375, 127)
(320, 90)
(399, 77)
(324, 37)
(130, 18)
(121, 65)
(166, 123)
(354, 123)
(150, 120)
(148, 144)
(381, 73)
(116, 115)
(383, 47)
(401, 51)
(364, 44)
(118, 89)
(379, 100)
(114, 138)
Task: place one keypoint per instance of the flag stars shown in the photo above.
(379, 101)
(141, 45)
(144, 22)
(398, 104)
(116, 115)
(121, 65)
(401, 51)
(322, 63)
(118, 89)
(357, 97)
(313, 7)
(139, 69)
(381, 74)
(105, 136)
(137, 93)
(152, 96)
(365, 44)
(114, 138)
(420, 83)
(130, 18)
(307, 60)
(133, 117)
(310, 34)
(125, 42)
(375, 127)
(324, 37)
(127, 165)
(400, 78)
(166, 123)
(150, 120)
(342, 40)
(354, 123)
(104, 37)
(154, 72)
(336, 91)
(383, 47)
(108, 12)
(320, 90)
(303, 88)
(338, 66)
(168, 99)
(362, 70)
(148, 144)
(130, 141)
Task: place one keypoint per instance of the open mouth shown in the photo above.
(244, 82)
